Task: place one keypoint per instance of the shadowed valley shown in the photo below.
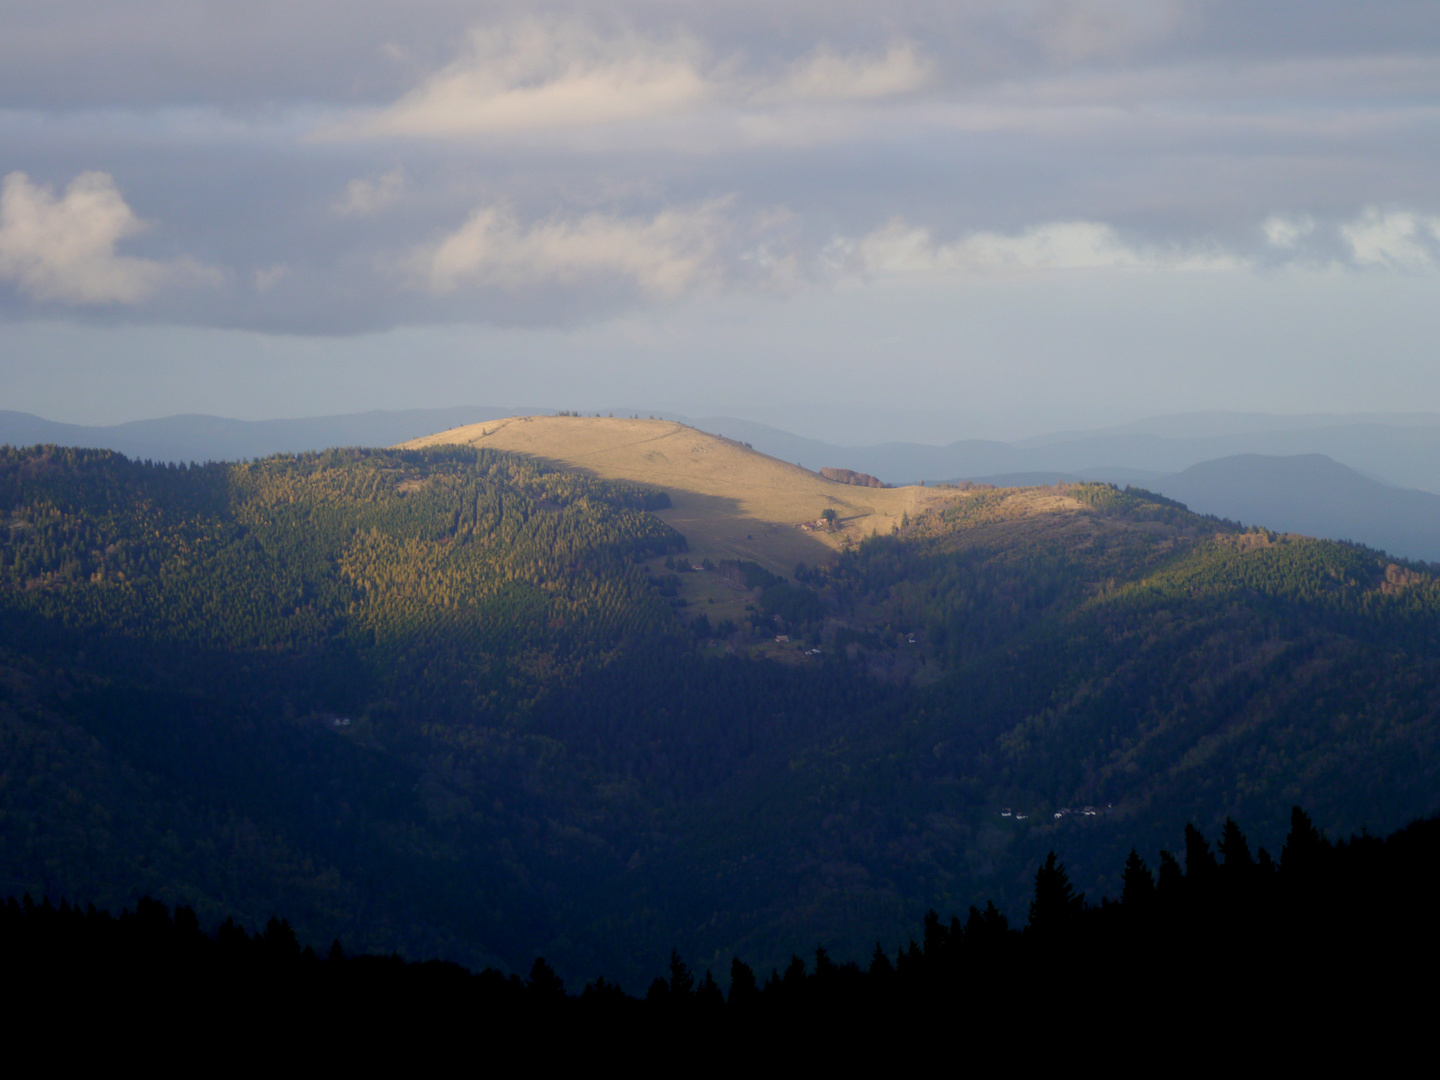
(450, 699)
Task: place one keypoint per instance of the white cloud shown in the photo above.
(545, 74)
(900, 248)
(1287, 232)
(670, 254)
(364, 197)
(563, 74)
(63, 248)
(825, 75)
(1396, 238)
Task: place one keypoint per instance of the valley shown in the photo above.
(567, 741)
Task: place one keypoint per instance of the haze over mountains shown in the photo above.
(197, 437)
(1314, 495)
(1372, 478)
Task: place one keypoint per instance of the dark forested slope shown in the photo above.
(1149, 665)
(240, 684)
(444, 701)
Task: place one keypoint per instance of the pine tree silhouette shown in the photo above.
(743, 991)
(881, 968)
(1137, 884)
(1303, 846)
(1170, 884)
(1234, 849)
(544, 985)
(682, 981)
(1056, 904)
(1200, 865)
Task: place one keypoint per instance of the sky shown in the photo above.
(905, 220)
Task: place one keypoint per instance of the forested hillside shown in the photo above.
(448, 701)
(245, 684)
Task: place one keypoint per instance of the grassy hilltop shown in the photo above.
(728, 500)
(451, 700)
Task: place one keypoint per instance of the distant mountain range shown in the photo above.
(1313, 495)
(1399, 449)
(196, 437)
(1374, 478)
(1285, 477)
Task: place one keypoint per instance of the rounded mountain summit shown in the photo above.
(728, 500)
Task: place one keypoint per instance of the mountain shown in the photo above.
(216, 438)
(1221, 423)
(1407, 456)
(477, 701)
(729, 500)
(1401, 449)
(1280, 486)
(900, 462)
(1312, 494)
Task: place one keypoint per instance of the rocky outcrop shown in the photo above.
(849, 476)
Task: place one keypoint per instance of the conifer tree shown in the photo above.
(934, 935)
(743, 991)
(1138, 885)
(1234, 848)
(1056, 902)
(824, 966)
(1171, 882)
(986, 929)
(544, 985)
(1200, 865)
(682, 981)
(1304, 844)
(707, 995)
(880, 966)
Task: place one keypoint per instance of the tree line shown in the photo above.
(1227, 928)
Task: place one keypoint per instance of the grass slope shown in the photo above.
(729, 501)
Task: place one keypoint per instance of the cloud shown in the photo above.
(547, 74)
(1396, 239)
(1081, 29)
(825, 75)
(63, 248)
(1287, 232)
(675, 252)
(900, 248)
(365, 197)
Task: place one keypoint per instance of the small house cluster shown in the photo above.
(1084, 811)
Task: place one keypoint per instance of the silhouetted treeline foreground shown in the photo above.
(1339, 923)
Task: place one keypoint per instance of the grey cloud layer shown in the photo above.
(334, 167)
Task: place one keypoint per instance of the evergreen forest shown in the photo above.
(450, 705)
